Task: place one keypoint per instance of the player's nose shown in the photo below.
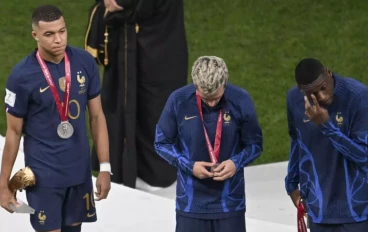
(57, 38)
(321, 97)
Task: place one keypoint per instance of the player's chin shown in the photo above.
(58, 50)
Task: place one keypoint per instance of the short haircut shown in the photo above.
(209, 73)
(308, 70)
(46, 13)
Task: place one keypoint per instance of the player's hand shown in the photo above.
(297, 200)
(103, 185)
(112, 6)
(200, 170)
(224, 171)
(295, 197)
(6, 197)
(316, 113)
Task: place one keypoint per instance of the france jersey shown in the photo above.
(181, 141)
(330, 162)
(56, 162)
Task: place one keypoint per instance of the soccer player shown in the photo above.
(328, 125)
(209, 131)
(47, 94)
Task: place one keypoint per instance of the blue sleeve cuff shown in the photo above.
(90, 97)
(291, 187)
(186, 165)
(250, 153)
(190, 167)
(15, 114)
(236, 163)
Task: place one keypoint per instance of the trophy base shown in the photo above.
(22, 208)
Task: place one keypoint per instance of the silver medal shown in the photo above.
(65, 130)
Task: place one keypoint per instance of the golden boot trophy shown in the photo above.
(21, 180)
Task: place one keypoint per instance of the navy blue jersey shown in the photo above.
(56, 162)
(181, 141)
(330, 162)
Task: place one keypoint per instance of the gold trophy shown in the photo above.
(21, 180)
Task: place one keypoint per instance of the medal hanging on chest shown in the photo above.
(65, 129)
(213, 152)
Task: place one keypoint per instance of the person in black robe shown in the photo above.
(143, 51)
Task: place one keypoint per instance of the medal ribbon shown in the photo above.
(214, 153)
(301, 223)
(62, 109)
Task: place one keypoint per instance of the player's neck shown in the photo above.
(49, 57)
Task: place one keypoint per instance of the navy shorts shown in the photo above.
(58, 207)
(348, 227)
(232, 224)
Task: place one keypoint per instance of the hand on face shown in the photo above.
(315, 113)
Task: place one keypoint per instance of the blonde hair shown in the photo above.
(209, 73)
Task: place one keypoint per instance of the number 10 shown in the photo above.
(89, 200)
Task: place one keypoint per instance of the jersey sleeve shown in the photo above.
(355, 146)
(292, 176)
(16, 96)
(94, 86)
(166, 139)
(250, 135)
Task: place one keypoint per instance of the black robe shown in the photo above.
(145, 58)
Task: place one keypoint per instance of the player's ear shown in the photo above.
(34, 31)
(329, 72)
(34, 35)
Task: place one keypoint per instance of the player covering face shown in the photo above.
(327, 120)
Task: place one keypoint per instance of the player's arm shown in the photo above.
(355, 146)
(292, 177)
(250, 136)
(12, 141)
(166, 137)
(97, 119)
(100, 138)
(99, 129)
(16, 104)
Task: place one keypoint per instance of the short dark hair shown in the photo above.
(308, 70)
(46, 13)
